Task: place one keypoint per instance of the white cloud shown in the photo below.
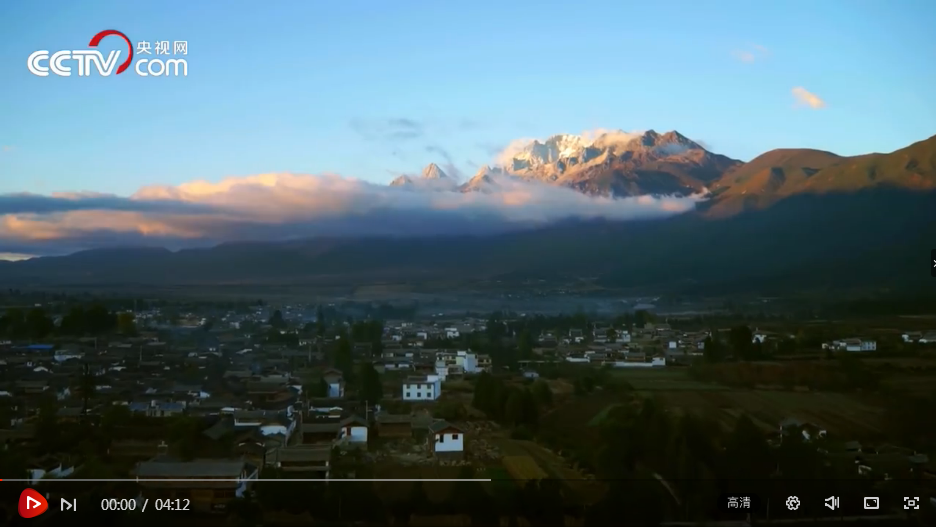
(805, 98)
(285, 206)
(750, 53)
(14, 257)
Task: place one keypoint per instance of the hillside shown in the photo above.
(779, 174)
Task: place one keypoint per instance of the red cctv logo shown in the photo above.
(96, 39)
(41, 63)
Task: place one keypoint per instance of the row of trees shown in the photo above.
(511, 405)
(36, 323)
(848, 373)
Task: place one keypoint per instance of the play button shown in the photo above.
(32, 504)
(933, 263)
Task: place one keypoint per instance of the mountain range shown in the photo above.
(614, 164)
(787, 219)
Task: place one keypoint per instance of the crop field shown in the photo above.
(652, 379)
(842, 415)
(603, 414)
(436, 491)
(551, 465)
(523, 468)
(920, 385)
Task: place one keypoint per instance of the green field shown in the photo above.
(603, 414)
(842, 415)
(653, 379)
(845, 416)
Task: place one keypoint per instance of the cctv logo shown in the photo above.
(41, 63)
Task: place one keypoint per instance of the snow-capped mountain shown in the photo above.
(432, 177)
(621, 164)
(613, 163)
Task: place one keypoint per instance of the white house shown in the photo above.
(353, 431)
(336, 384)
(452, 333)
(446, 440)
(468, 361)
(654, 362)
(427, 388)
(54, 470)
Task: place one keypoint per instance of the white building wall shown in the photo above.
(425, 391)
(335, 391)
(358, 434)
(448, 442)
(468, 362)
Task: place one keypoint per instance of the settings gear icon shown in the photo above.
(792, 503)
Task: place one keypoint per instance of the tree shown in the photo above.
(277, 321)
(525, 345)
(74, 323)
(98, 320)
(126, 323)
(514, 410)
(13, 323)
(542, 392)
(38, 325)
(344, 360)
(642, 317)
(747, 457)
(713, 350)
(611, 335)
(371, 385)
(742, 339)
(87, 385)
(316, 389)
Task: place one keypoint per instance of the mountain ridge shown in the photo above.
(817, 219)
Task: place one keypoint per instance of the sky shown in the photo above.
(371, 90)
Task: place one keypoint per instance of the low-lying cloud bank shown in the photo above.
(288, 206)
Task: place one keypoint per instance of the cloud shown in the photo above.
(15, 257)
(391, 130)
(750, 53)
(805, 98)
(291, 206)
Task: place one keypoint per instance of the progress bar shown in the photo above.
(187, 480)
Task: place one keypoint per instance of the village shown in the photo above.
(269, 395)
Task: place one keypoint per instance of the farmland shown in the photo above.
(841, 414)
(844, 415)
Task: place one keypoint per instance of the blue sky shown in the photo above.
(312, 87)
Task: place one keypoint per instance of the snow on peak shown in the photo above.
(433, 171)
(553, 149)
(401, 181)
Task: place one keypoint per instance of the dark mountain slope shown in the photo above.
(876, 237)
(779, 174)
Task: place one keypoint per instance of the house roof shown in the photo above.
(442, 425)
(220, 429)
(394, 418)
(205, 468)
(301, 454)
(264, 387)
(353, 420)
(315, 428)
